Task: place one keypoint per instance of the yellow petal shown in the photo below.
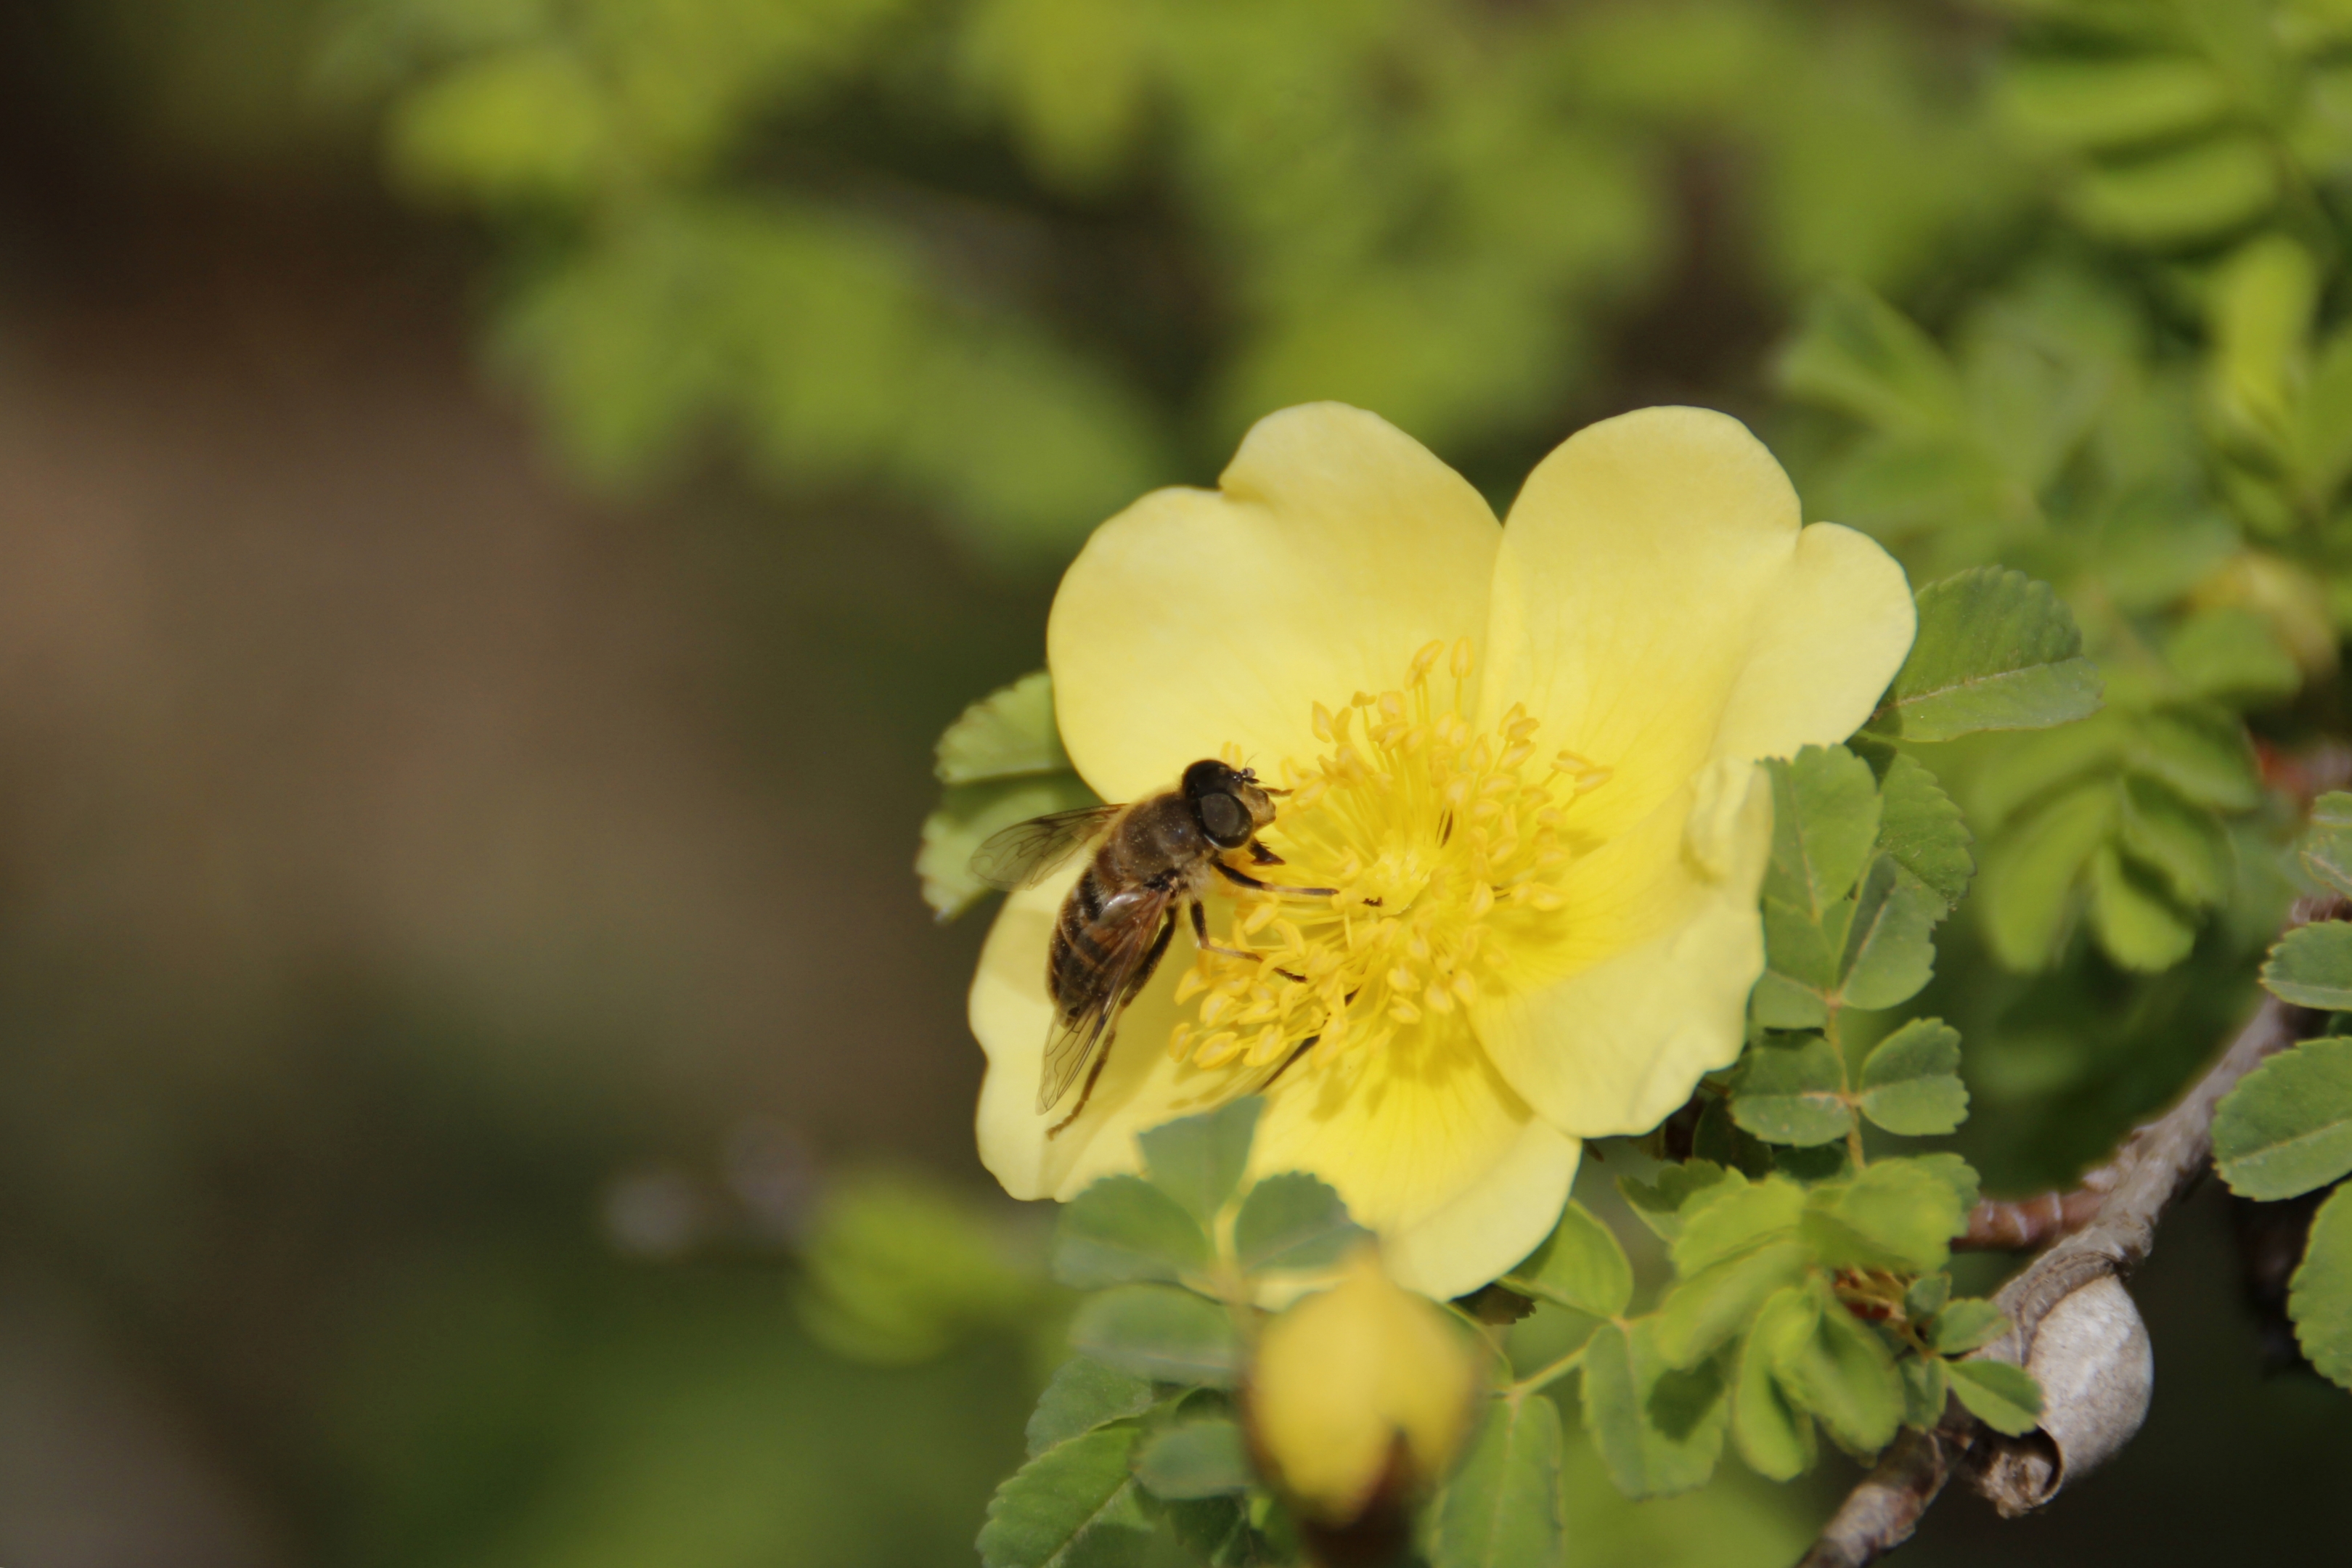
(1430, 1148)
(1335, 547)
(1608, 1030)
(1658, 604)
(1140, 1088)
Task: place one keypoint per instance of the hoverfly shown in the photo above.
(1115, 925)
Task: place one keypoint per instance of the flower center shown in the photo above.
(1446, 847)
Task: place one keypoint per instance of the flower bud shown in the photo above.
(1361, 1397)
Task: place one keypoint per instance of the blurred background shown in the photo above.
(497, 499)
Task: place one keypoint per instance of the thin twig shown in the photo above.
(2160, 1163)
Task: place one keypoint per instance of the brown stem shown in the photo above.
(2160, 1163)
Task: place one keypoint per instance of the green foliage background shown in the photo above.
(2049, 284)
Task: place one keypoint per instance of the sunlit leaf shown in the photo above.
(2287, 1127)
(2002, 1397)
(1910, 1082)
(1995, 650)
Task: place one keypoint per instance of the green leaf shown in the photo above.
(1890, 951)
(1156, 1332)
(1009, 733)
(2199, 192)
(1925, 1387)
(967, 815)
(1580, 1265)
(1199, 1159)
(2136, 922)
(1927, 1296)
(2179, 841)
(1858, 354)
(2088, 105)
(1968, 1323)
(1771, 1434)
(2319, 1297)
(1679, 1192)
(2312, 967)
(1911, 1083)
(1082, 1395)
(1825, 814)
(1893, 1214)
(1068, 1495)
(1791, 1091)
(1923, 830)
(2287, 1127)
(2327, 844)
(1122, 1230)
(1843, 1374)
(1657, 1430)
(1995, 650)
(2201, 751)
(1195, 1460)
(2002, 1397)
(1745, 1214)
(1293, 1221)
(2026, 895)
(2232, 653)
(1502, 1509)
(1954, 1173)
(1717, 1304)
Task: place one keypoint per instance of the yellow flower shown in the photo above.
(1360, 1390)
(1524, 754)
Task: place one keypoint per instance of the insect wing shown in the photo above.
(1133, 949)
(1026, 854)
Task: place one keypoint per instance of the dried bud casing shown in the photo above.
(1359, 1398)
(2092, 1356)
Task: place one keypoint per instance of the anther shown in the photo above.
(1463, 660)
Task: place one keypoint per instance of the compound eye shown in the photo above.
(1224, 820)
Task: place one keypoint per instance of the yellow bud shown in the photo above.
(1360, 1395)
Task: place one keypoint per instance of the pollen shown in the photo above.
(1448, 846)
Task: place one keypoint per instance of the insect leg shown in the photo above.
(1246, 881)
(1201, 935)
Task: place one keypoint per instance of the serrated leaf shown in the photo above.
(1680, 1191)
(1717, 1304)
(1995, 650)
(2199, 192)
(2026, 896)
(1772, 1435)
(1911, 1083)
(1082, 1395)
(1195, 1460)
(1968, 1323)
(1858, 354)
(1925, 1387)
(2327, 845)
(2181, 841)
(1062, 1500)
(2136, 922)
(1890, 951)
(2319, 1297)
(1293, 1221)
(2312, 967)
(1844, 1376)
(967, 815)
(1924, 829)
(1580, 1265)
(2004, 1397)
(1792, 1092)
(1825, 814)
(1199, 1159)
(2287, 1127)
(1502, 1509)
(1744, 1215)
(1657, 1430)
(1009, 733)
(1892, 1214)
(1956, 1175)
(1122, 1230)
(1159, 1332)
